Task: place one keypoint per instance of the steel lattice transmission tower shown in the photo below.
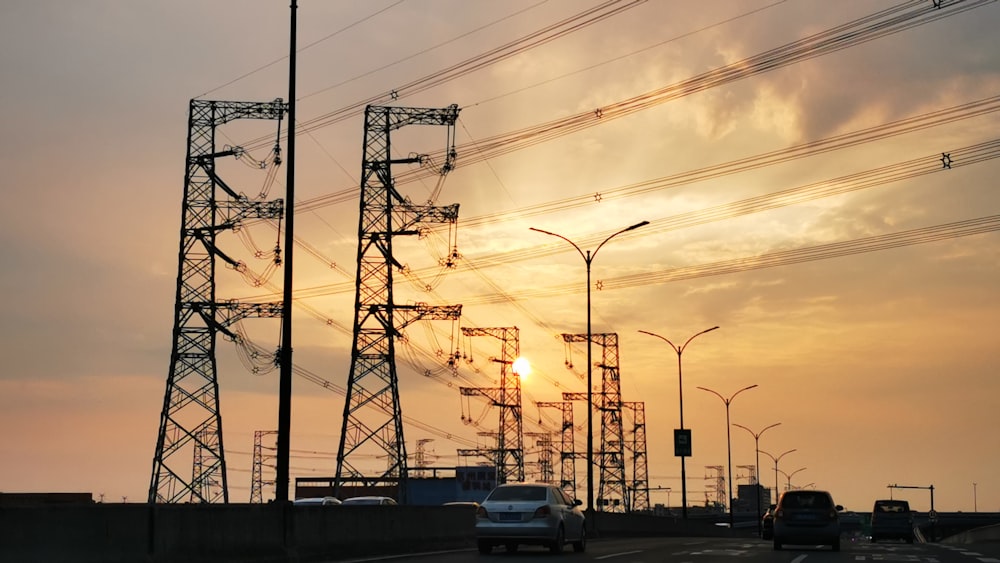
(637, 445)
(190, 422)
(372, 412)
(567, 453)
(509, 454)
(716, 484)
(543, 441)
(613, 493)
(257, 481)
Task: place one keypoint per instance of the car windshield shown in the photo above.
(806, 500)
(519, 493)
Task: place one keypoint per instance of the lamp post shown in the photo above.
(588, 258)
(680, 383)
(756, 446)
(729, 444)
(776, 460)
(788, 476)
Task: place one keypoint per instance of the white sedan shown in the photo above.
(530, 513)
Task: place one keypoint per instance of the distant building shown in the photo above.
(746, 498)
(8, 500)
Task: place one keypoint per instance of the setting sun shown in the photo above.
(522, 367)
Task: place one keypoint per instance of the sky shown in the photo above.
(804, 205)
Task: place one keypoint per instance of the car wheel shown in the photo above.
(557, 544)
(777, 545)
(581, 545)
(485, 547)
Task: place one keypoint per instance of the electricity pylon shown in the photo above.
(257, 481)
(190, 422)
(567, 452)
(719, 484)
(373, 417)
(421, 458)
(637, 445)
(613, 493)
(543, 441)
(509, 454)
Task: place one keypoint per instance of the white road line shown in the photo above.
(799, 558)
(610, 555)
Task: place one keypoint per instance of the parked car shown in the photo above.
(807, 517)
(767, 524)
(358, 501)
(892, 520)
(317, 501)
(532, 514)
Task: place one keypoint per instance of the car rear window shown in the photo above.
(519, 493)
(892, 506)
(806, 500)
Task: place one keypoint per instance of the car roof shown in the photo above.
(316, 500)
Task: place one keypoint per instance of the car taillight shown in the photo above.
(481, 513)
(542, 512)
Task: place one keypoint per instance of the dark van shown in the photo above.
(892, 520)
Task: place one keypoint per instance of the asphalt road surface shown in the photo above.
(712, 550)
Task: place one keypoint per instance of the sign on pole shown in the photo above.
(682, 442)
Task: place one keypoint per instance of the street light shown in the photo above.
(788, 476)
(588, 258)
(680, 383)
(776, 460)
(756, 446)
(729, 444)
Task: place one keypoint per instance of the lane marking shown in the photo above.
(609, 556)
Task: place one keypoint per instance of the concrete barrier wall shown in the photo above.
(111, 533)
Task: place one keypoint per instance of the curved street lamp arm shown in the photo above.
(724, 400)
(582, 255)
(625, 230)
(771, 426)
(757, 435)
(693, 337)
(661, 338)
(792, 474)
(778, 459)
(740, 391)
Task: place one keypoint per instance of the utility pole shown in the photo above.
(282, 477)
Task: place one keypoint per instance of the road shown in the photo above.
(712, 550)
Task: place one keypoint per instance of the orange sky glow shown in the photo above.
(835, 215)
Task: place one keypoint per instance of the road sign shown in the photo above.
(682, 442)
